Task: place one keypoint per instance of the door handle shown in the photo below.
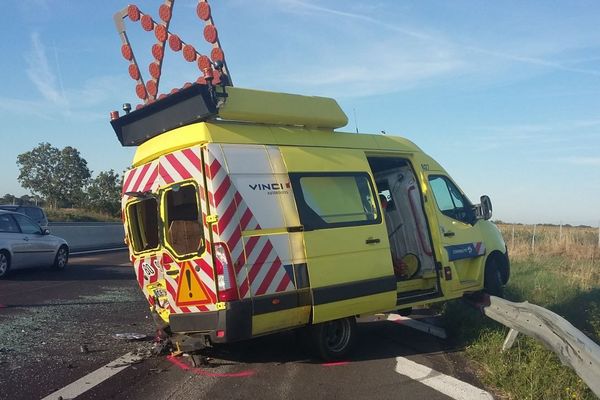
(449, 234)
(372, 241)
(26, 239)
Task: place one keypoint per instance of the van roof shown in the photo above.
(245, 133)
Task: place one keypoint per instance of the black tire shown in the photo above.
(405, 312)
(4, 263)
(492, 283)
(333, 340)
(62, 258)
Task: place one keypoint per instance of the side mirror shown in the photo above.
(486, 207)
(45, 232)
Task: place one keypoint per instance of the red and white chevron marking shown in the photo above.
(142, 179)
(259, 269)
(479, 248)
(181, 165)
(147, 271)
(174, 167)
(205, 274)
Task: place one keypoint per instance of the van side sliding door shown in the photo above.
(347, 251)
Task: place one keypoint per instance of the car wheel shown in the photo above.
(62, 258)
(333, 340)
(493, 279)
(4, 263)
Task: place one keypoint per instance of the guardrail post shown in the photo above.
(510, 339)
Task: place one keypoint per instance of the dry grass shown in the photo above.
(559, 272)
(78, 215)
(576, 249)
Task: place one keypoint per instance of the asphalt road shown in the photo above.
(46, 317)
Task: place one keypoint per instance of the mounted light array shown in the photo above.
(213, 69)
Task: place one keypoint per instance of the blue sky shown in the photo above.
(505, 95)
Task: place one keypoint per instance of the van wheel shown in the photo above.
(4, 264)
(62, 258)
(493, 279)
(333, 340)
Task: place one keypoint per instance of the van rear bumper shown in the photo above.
(235, 322)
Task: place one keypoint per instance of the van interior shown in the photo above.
(407, 227)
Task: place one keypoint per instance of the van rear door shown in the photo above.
(187, 254)
(347, 251)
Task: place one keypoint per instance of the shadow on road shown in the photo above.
(376, 340)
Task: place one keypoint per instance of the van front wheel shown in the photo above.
(333, 340)
(493, 279)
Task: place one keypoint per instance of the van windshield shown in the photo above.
(183, 228)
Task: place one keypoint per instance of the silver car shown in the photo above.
(24, 244)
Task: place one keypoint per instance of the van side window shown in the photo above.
(143, 224)
(183, 228)
(450, 200)
(332, 200)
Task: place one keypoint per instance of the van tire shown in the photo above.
(333, 340)
(4, 263)
(492, 284)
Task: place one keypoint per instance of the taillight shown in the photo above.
(227, 288)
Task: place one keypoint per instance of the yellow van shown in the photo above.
(246, 213)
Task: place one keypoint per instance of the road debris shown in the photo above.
(130, 336)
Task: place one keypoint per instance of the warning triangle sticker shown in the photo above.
(191, 290)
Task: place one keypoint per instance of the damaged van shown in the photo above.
(246, 213)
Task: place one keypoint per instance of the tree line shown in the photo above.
(61, 179)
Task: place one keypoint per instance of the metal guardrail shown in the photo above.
(573, 348)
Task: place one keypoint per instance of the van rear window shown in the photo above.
(335, 200)
(183, 228)
(143, 225)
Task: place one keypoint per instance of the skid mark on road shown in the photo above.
(445, 384)
(199, 371)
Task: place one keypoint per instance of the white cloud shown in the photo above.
(41, 74)
(403, 57)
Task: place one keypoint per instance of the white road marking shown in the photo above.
(418, 325)
(92, 379)
(445, 384)
(98, 251)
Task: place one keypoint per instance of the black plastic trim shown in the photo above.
(235, 321)
(281, 301)
(345, 291)
(189, 105)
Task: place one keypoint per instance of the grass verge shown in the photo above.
(528, 370)
(78, 215)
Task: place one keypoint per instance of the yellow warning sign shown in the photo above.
(191, 290)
